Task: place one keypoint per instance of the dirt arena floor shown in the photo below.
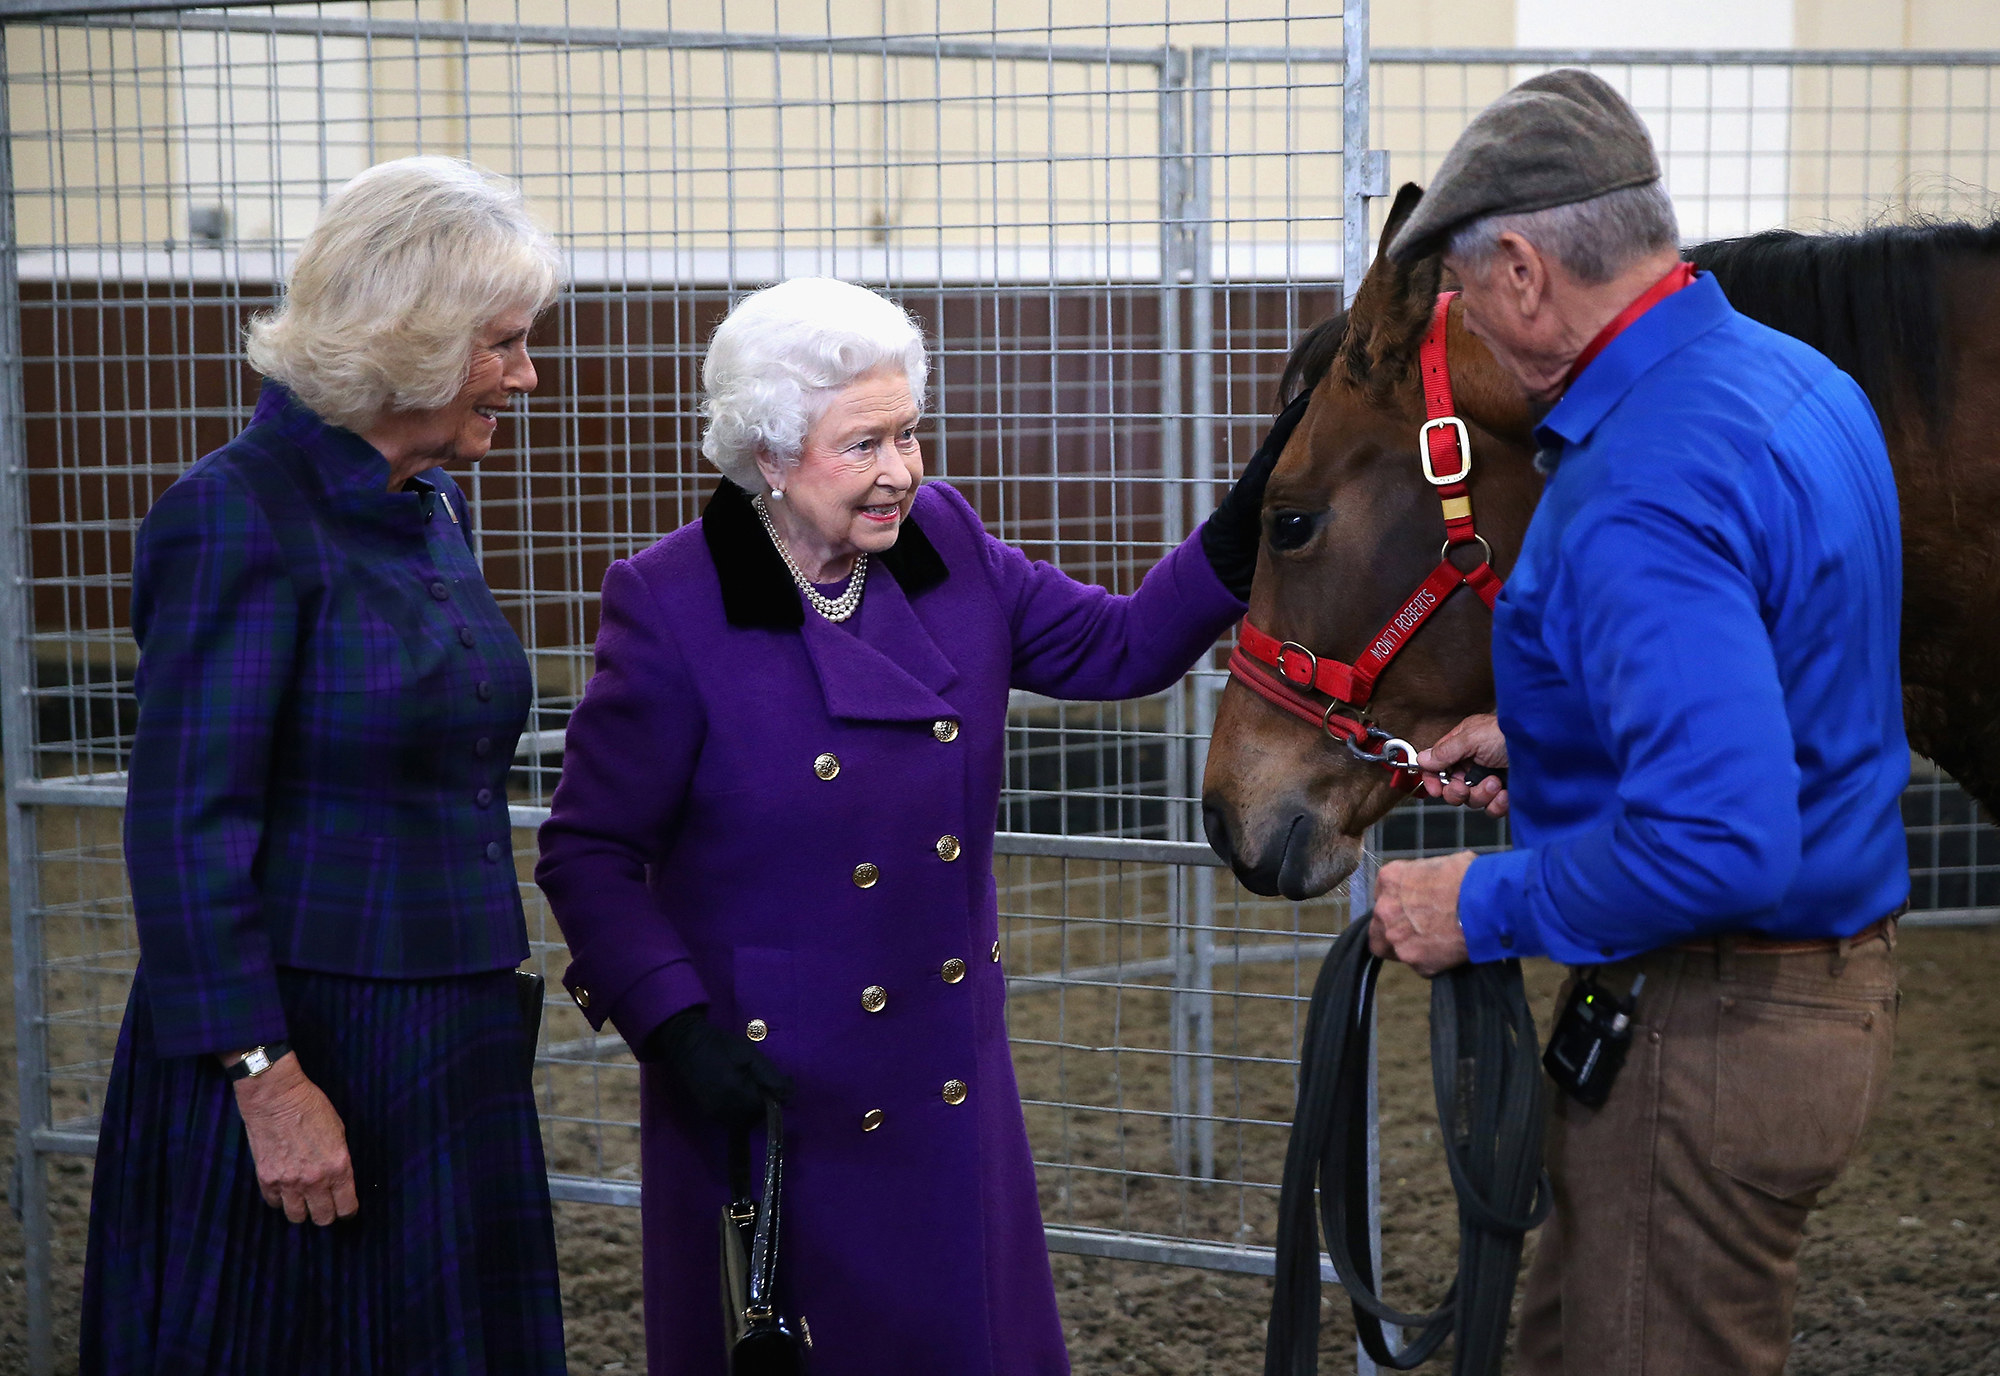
(1901, 1272)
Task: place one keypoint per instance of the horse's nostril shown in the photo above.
(1217, 828)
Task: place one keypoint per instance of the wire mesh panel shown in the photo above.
(1025, 186)
(1748, 141)
(1112, 230)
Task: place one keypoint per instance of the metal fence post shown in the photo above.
(17, 724)
(1197, 997)
(1363, 173)
(1178, 224)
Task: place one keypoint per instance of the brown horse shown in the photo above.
(1912, 312)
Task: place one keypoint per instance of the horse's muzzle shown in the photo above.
(1299, 858)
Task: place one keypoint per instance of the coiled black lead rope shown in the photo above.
(1488, 1077)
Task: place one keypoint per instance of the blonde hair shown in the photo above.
(407, 263)
(776, 361)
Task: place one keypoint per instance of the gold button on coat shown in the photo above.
(582, 997)
(865, 875)
(954, 970)
(871, 1120)
(757, 1030)
(945, 730)
(996, 953)
(827, 765)
(874, 998)
(954, 1091)
(947, 847)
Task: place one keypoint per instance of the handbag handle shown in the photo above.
(764, 1246)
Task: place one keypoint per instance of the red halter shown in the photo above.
(1445, 451)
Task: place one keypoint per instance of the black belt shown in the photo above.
(1486, 1070)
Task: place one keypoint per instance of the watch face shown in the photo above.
(256, 1062)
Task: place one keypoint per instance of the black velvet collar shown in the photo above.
(757, 588)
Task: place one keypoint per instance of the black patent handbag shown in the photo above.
(760, 1340)
(528, 988)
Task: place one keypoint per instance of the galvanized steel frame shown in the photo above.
(1184, 258)
(1188, 158)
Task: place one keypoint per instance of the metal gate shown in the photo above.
(1113, 233)
(1044, 198)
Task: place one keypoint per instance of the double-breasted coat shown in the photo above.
(791, 821)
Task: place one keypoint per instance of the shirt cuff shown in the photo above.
(1493, 907)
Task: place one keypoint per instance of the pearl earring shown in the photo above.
(777, 494)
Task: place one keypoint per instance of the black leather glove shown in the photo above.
(727, 1077)
(1231, 537)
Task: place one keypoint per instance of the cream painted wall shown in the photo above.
(1441, 23)
(1680, 24)
(1017, 168)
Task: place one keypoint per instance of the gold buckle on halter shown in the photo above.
(1464, 451)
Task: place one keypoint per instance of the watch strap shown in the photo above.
(257, 1060)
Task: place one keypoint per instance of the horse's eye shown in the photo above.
(1290, 529)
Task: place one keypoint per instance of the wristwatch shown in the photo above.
(257, 1060)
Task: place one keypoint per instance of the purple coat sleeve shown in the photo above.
(1082, 642)
(630, 755)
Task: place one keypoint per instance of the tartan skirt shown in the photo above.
(450, 1265)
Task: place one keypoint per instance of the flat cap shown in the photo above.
(1555, 139)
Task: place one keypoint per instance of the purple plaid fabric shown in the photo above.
(329, 700)
(449, 1269)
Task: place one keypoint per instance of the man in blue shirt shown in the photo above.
(1696, 665)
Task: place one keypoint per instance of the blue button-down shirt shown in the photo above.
(1696, 655)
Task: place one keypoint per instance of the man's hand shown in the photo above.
(298, 1144)
(1476, 740)
(1416, 913)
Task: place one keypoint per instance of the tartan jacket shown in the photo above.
(329, 701)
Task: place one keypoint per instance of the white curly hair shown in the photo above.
(406, 264)
(777, 360)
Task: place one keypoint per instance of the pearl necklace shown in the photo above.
(834, 609)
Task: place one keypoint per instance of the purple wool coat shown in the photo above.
(792, 821)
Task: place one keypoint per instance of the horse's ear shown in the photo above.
(1393, 308)
(1404, 206)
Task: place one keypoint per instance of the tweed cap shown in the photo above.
(1561, 137)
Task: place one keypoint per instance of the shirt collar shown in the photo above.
(1677, 320)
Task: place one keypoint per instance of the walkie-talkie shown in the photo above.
(1590, 1039)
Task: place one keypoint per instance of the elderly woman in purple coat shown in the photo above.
(771, 849)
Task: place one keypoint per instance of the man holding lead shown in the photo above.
(1699, 697)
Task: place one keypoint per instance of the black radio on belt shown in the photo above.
(1590, 1039)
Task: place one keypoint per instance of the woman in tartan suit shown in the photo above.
(319, 1151)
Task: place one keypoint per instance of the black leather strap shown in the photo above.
(764, 1247)
(1487, 1076)
(273, 1052)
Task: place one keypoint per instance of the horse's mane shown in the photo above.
(1311, 357)
(1871, 302)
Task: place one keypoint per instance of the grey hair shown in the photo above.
(777, 360)
(406, 264)
(1594, 240)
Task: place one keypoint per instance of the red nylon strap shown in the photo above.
(1447, 458)
(1354, 683)
(1678, 276)
(1280, 695)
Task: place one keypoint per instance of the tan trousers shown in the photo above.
(1680, 1204)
